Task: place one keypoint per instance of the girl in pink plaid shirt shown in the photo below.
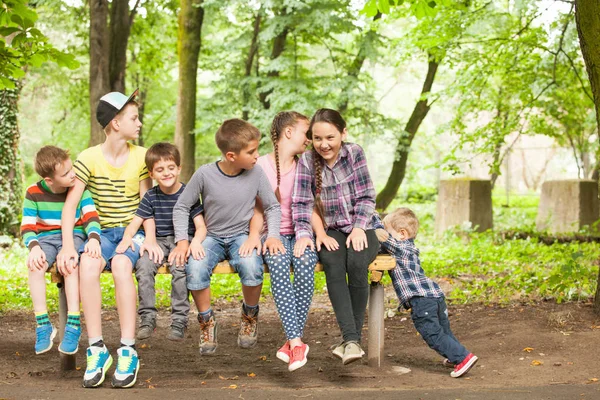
(334, 179)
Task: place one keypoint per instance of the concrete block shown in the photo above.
(567, 205)
(464, 200)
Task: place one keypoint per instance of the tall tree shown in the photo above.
(191, 17)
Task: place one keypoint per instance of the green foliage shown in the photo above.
(22, 45)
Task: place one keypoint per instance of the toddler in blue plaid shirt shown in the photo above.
(420, 294)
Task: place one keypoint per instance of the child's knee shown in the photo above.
(198, 273)
(251, 270)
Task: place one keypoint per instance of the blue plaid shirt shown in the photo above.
(408, 277)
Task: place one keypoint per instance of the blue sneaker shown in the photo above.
(44, 336)
(70, 342)
(99, 361)
(127, 368)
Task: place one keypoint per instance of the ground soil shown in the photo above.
(518, 345)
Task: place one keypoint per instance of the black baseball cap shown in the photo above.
(111, 104)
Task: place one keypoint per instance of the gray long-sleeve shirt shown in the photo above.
(228, 201)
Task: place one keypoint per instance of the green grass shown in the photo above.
(481, 267)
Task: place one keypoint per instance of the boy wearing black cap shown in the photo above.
(116, 175)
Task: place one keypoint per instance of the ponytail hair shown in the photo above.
(334, 118)
(282, 120)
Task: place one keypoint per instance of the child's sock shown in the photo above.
(74, 320)
(97, 341)
(250, 311)
(42, 318)
(128, 343)
(205, 315)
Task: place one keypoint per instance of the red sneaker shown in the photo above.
(464, 366)
(298, 357)
(284, 353)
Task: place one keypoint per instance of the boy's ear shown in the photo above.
(48, 180)
(230, 156)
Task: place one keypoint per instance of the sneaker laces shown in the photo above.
(248, 325)
(124, 363)
(92, 361)
(205, 328)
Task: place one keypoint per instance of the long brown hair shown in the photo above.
(334, 118)
(281, 121)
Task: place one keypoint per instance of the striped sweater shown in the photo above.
(42, 211)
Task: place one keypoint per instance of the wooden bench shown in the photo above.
(376, 306)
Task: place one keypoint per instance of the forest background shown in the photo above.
(506, 90)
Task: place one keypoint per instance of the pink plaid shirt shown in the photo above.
(347, 192)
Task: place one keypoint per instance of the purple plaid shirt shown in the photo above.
(347, 192)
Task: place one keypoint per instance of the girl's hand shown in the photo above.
(358, 239)
(301, 245)
(273, 246)
(330, 243)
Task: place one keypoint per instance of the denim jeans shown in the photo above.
(430, 316)
(250, 269)
(110, 239)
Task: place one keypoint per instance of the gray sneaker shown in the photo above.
(352, 352)
(147, 328)
(176, 333)
(338, 349)
(208, 336)
(248, 335)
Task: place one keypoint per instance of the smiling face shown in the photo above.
(245, 158)
(63, 178)
(166, 174)
(327, 141)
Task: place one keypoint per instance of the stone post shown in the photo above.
(464, 200)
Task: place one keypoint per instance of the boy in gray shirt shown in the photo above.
(228, 191)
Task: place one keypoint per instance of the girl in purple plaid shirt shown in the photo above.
(333, 179)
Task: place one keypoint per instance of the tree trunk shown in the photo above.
(278, 49)
(120, 28)
(190, 26)
(99, 78)
(11, 185)
(249, 61)
(587, 16)
(386, 196)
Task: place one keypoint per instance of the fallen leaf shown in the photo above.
(18, 354)
(233, 378)
(400, 370)
(592, 380)
(150, 386)
(320, 369)
(264, 358)
(521, 358)
(542, 354)
(143, 346)
(569, 363)
(528, 349)
(148, 380)
(536, 363)
(231, 387)
(203, 383)
(252, 375)
(77, 368)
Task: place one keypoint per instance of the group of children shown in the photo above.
(295, 208)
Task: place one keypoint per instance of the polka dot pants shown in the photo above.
(292, 299)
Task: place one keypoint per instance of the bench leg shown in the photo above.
(67, 361)
(376, 327)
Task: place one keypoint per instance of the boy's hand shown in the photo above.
(155, 253)
(66, 259)
(196, 250)
(178, 256)
(382, 235)
(92, 248)
(125, 243)
(301, 245)
(274, 246)
(37, 259)
(358, 240)
(249, 245)
(330, 243)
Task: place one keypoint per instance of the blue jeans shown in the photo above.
(292, 300)
(110, 239)
(250, 269)
(430, 316)
(51, 245)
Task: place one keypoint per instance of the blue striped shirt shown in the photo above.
(408, 277)
(159, 206)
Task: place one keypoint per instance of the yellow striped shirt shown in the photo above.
(116, 191)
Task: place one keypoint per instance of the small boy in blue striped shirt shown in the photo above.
(164, 165)
(420, 294)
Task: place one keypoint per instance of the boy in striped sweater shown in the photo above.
(41, 231)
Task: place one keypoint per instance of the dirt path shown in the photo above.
(563, 340)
